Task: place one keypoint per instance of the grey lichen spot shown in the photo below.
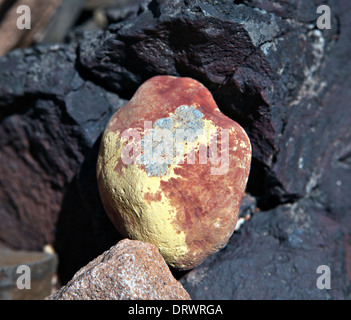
(156, 170)
(188, 118)
(163, 123)
(162, 143)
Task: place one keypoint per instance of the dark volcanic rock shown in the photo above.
(268, 67)
(275, 256)
(50, 120)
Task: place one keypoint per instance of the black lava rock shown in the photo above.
(51, 120)
(275, 255)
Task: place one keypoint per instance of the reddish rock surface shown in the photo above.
(130, 270)
(187, 208)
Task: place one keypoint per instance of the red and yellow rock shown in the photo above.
(188, 208)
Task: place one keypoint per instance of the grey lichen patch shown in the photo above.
(188, 118)
(164, 123)
(165, 141)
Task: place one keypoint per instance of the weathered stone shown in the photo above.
(130, 270)
(38, 283)
(178, 183)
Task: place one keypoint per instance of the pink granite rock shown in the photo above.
(130, 270)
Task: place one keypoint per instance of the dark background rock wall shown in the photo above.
(269, 68)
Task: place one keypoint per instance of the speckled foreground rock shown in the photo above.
(127, 271)
(172, 170)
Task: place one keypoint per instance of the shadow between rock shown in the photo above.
(83, 230)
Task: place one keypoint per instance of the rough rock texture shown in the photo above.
(275, 256)
(268, 67)
(130, 270)
(42, 267)
(172, 170)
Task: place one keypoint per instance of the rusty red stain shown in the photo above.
(153, 196)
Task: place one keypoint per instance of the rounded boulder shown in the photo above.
(172, 169)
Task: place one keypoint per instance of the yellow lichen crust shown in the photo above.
(151, 221)
(146, 211)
